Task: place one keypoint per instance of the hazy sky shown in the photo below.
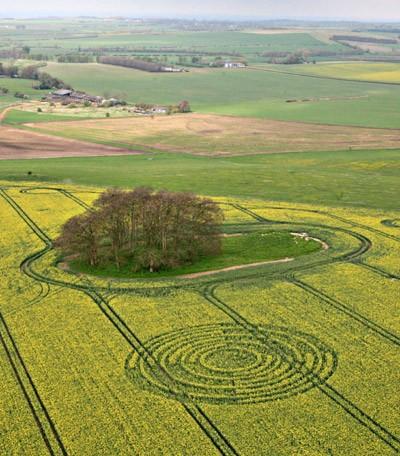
(359, 9)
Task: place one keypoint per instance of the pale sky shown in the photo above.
(345, 9)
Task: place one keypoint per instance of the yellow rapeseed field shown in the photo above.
(295, 358)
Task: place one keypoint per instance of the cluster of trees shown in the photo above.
(10, 71)
(45, 80)
(147, 230)
(21, 95)
(184, 107)
(130, 62)
(75, 58)
(22, 53)
(48, 82)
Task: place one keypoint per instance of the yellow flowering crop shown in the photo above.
(299, 357)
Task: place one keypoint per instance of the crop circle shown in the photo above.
(228, 364)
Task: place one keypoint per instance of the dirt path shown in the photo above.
(5, 111)
(232, 268)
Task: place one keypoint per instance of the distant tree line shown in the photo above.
(145, 229)
(22, 53)
(364, 39)
(381, 30)
(284, 57)
(155, 51)
(313, 53)
(75, 58)
(130, 62)
(44, 80)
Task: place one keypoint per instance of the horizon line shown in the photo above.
(205, 17)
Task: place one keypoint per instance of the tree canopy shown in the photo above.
(146, 229)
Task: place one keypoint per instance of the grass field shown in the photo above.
(249, 92)
(295, 358)
(154, 40)
(209, 134)
(18, 85)
(350, 178)
(17, 117)
(28, 112)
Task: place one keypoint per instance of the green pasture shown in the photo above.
(17, 117)
(248, 92)
(18, 85)
(350, 178)
(249, 45)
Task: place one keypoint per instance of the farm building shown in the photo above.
(160, 110)
(234, 65)
(70, 96)
(173, 70)
(61, 93)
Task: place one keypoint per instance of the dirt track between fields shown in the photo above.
(195, 275)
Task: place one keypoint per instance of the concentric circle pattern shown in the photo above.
(227, 363)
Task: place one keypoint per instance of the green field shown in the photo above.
(17, 117)
(355, 179)
(18, 85)
(90, 36)
(252, 93)
(244, 43)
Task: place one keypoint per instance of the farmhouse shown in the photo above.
(173, 70)
(234, 65)
(160, 110)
